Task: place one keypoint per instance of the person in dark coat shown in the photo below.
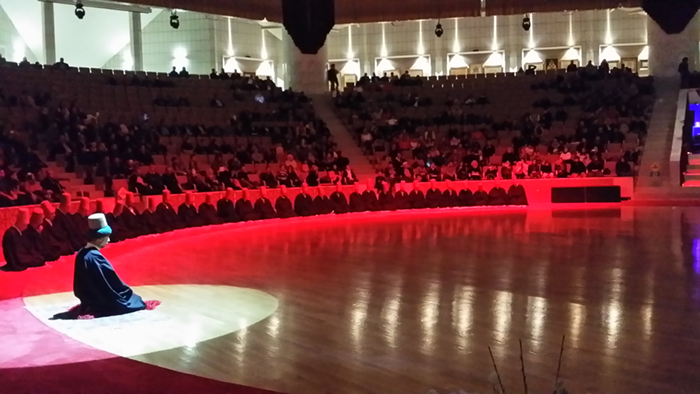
(64, 222)
(149, 219)
(226, 209)
(18, 252)
(95, 283)
(338, 200)
(244, 208)
(263, 205)
(450, 198)
(386, 198)
(370, 197)
(131, 219)
(188, 212)
(357, 202)
(40, 243)
(498, 196)
(516, 195)
(207, 212)
(481, 197)
(303, 203)
(166, 213)
(119, 232)
(433, 197)
(401, 196)
(283, 205)
(321, 203)
(53, 233)
(416, 198)
(466, 198)
(79, 220)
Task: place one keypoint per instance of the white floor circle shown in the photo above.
(189, 314)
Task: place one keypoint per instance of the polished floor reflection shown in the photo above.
(406, 302)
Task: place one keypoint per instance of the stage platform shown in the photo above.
(399, 302)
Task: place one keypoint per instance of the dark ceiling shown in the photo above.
(362, 11)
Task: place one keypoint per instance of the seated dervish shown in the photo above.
(357, 202)
(95, 283)
(283, 205)
(401, 196)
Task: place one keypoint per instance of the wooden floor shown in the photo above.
(407, 302)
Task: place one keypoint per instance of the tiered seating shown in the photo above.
(233, 114)
(479, 117)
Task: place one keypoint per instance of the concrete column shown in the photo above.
(305, 73)
(49, 33)
(439, 64)
(667, 50)
(136, 40)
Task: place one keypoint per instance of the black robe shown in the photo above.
(118, 232)
(450, 199)
(245, 210)
(339, 203)
(416, 199)
(284, 208)
(481, 198)
(386, 201)
(357, 203)
(208, 216)
(498, 196)
(466, 198)
(303, 205)
(227, 211)
(516, 195)
(151, 222)
(322, 205)
(41, 244)
(263, 206)
(133, 221)
(371, 201)
(167, 215)
(433, 198)
(80, 228)
(56, 238)
(401, 200)
(18, 252)
(98, 287)
(189, 216)
(64, 225)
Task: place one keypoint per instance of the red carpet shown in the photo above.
(115, 375)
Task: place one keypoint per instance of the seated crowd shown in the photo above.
(266, 126)
(45, 234)
(578, 125)
(24, 178)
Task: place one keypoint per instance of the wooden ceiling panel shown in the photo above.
(511, 7)
(364, 11)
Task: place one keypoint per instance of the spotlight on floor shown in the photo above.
(174, 19)
(79, 10)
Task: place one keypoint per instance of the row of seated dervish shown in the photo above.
(47, 233)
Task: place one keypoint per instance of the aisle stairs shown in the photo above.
(323, 104)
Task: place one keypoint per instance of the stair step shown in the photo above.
(692, 177)
(691, 184)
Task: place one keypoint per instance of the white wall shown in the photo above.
(586, 29)
(102, 38)
(92, 41)
(21, 29)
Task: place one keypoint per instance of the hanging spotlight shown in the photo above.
(526, 23)
(439, 30)
(79, 10)
(174, 19)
